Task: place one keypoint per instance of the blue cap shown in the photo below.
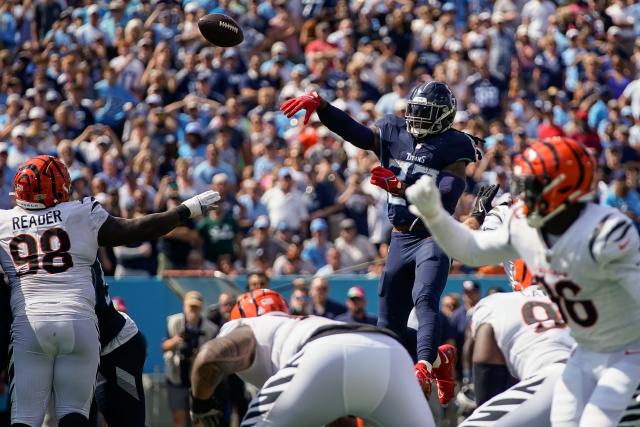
(448, 7)
(283, 226)
(284, 172)
(318, 224)
(262, 222)
(193, 127)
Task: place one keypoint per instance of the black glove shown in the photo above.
(482, 203)
(208, 412)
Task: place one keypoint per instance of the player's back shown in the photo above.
(47, 255)
(278, 337)
(591, 272)
(528, 330)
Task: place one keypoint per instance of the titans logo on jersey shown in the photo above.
(410, 158)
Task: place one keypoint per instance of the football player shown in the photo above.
(49, 247)
(586, 257)
(310, 370)
(416, 270)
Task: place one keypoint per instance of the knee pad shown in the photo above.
(74, 420)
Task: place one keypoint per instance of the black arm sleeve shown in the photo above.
(342, 124)
(489, 380)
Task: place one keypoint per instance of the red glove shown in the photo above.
(308, 102)
(387, 180)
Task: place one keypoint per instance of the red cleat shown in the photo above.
(425, 377)
(444, 374)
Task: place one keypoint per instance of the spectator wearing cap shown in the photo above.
(357, 308)
(67, 155)
(112, 98)
(20, 151)
(250, 200)
(548, 128)
(320, 48)
(321, 304)
(315, 248)
(266, 162)
(502, 47)
(194, 147)
(111, 173)
(6, 178)
(73, 105)
(400, 90)
(535, 15)
(174, 248)
(299, 302)
(211, 166)
(355, 249)
(285, 203)
(11, 112)
(486, 91)
(279, 55)
(89, 33)
(261, 245)
(128, 67)
(291, 262)
(8, 26)
(38, 131)
(113, 20)
(186, 333)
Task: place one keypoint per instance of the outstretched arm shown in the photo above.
(490, 374)
(221, 357)
(335, 119)
(473, 248)
(119, 231)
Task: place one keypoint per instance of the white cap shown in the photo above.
(154, 98)
(14, 97)
(94, 8)
(37, 113)
(4, 147)
(19, 130)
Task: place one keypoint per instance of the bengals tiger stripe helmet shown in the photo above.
(522, 277)
(258, 302)
(41, 182)
(551, 175)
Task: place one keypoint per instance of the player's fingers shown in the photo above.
(285, 105)
(290, 109)
(307, 116)
(494, 190)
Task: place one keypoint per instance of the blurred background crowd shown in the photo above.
(146, 114)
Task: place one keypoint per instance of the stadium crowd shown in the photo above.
(145, 113)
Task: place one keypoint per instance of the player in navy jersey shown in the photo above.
(416, 271)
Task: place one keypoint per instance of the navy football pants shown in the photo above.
(119, 390)
(415, 274)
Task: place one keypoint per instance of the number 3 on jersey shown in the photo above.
(54, 244)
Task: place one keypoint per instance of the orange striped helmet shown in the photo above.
(522, 277)
(258, 302)
(552, 174)
(41, 182)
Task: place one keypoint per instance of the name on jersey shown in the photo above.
(27, 221)
(414, 158)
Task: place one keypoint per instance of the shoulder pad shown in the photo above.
(390, 120)
(612, 237)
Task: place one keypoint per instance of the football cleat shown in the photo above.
(425, 377)
(445, 373)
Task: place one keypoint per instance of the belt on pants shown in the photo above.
(417, 226)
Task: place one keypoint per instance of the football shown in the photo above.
(220, 30)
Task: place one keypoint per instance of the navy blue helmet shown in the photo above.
(430, 110)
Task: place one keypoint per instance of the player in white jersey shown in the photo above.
(48, 247)
(310, 370)
(586, 256)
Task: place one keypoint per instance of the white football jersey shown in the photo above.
(591, 272)
(528, 330)
(278, 337)
(48, 254)
(492, 221)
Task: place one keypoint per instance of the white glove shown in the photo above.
(198, 205)
(424, 197)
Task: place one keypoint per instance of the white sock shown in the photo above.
(436, 363)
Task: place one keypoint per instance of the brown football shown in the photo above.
(220, 30)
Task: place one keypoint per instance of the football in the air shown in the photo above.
(220, 30)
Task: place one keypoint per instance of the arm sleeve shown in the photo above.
(342, 124)
(473, 248)
(451, 188)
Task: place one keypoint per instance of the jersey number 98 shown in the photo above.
(26, 253)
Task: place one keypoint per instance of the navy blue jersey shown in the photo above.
(110, 321)
(410, 158)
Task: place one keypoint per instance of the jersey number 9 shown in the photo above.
(26, 254)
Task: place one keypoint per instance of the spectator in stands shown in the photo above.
(175, 247)
(219, 233)
(219, 314)
(315, 248)
(186, 332)
(257, 280)
(261, 245)
(333, 263)
(291, 262)
(355, 250)
(211, 166)
(20, 150)
(285, 203)
(299, 302)
(623, 197)
(357, 308)
(321, 305)
(6, 178)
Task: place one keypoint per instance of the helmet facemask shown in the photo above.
(424, 118)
